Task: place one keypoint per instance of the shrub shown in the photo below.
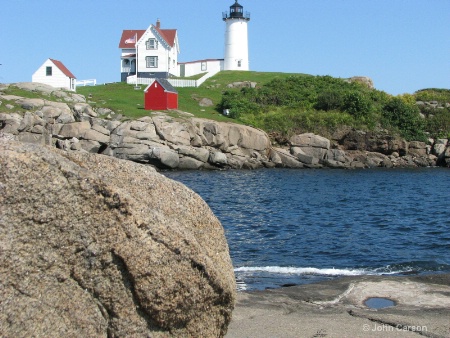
(330, 100)
(405, 117)
(357, 104)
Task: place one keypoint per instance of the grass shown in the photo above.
(124, 99)
(119, 97)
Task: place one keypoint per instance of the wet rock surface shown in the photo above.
(337, 309)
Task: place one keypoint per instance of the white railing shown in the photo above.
(92, 82)
(174, 82)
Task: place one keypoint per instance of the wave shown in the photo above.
(301, 271)
(396, 269)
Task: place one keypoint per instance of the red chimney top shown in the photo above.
(158, 23)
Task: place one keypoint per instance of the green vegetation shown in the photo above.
(322, 104)
(119, 97)
(284, 104)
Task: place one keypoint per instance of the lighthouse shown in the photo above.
(236, 38)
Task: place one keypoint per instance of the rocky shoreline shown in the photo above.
(189, 143)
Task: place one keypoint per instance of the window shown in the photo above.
(151, 44)
(239, 63)
(204, 67)
(151, 61)
(48, 71)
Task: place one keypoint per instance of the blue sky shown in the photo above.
(403, 45)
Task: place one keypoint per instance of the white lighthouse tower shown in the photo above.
(236, 38)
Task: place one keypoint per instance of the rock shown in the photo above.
(367, 81)
(132, 151)
(29, 121)
(89, 146)
(336, 155)
(93, 246)
(30, 104)
(374, 160)
(287, 160)
(78, 97)
(74, 129)
(244, 84)
(97, 127)
(104, 111)
(35, 87)
(94, 135)
(275, 158)
(447, 156)
(417, 148)
(218, 158)
(210, 134)
(205, 102)
(10, 123)
(318, 153)
(83, 111)
(249, 138)
(200, 154)
(330, 163)
(163, 157)
(65, 117)
(251, 164)
(189, 163)
(306, 159)
(357, 165)
(28, 137)
(310, 140)
(439, 147)
(372, 142)
(171, 131)
(313, 146)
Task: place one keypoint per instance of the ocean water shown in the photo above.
(287, 226)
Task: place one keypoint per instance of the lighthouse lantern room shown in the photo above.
(236, 38)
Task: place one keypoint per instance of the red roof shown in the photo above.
(129, 34)
(167, 34)
(63, 68)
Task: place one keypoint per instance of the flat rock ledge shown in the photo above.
(338, 309)
(189, 143)
(94, 246)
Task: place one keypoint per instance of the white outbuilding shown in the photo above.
(54, 73)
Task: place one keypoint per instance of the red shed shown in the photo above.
(160, 95)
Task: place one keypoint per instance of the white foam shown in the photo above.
(311, 271)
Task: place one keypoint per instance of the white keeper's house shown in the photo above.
(153, 53)
(54, 73)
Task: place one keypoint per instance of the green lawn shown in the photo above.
(124, 99)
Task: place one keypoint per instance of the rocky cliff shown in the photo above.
(191, 143)
(93, 246)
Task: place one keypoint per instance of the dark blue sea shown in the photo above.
(287, 226)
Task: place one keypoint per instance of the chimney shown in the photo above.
(158, 23)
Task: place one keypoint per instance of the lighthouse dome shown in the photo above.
(236, 10)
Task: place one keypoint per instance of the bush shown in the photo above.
(438, 124)
(405, 117)
(357, 104)
(330, 100)
(237, 104)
